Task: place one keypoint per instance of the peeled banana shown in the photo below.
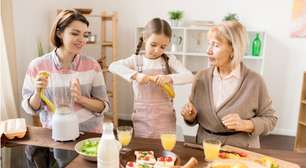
(49, 104)
(168, 89)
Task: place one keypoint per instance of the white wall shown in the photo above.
(285, 57)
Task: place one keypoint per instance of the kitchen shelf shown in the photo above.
(190, 43)
(300, 138)
(302, 123)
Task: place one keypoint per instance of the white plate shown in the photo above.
(77, 148)
(249, 163)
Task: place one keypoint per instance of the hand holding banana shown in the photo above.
(164, 81)
(50, 105)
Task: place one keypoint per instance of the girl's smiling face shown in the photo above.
(155, 45)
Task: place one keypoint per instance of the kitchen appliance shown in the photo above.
(65, 123)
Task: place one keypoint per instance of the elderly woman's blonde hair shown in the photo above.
(235, 34)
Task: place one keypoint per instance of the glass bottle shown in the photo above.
(256, 45)
(108, 148)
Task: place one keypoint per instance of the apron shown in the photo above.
(153, 110)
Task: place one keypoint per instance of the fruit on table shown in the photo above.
(225, 154)
(268, 162)
(227, 165)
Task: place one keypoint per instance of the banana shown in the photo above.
(169, 90)
(268, 162)
(49, 104)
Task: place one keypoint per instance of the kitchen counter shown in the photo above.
(38, 136)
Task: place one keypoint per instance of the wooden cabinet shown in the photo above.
(300, 139)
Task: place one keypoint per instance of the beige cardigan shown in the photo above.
(251, 101)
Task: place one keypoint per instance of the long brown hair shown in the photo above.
(156, 26)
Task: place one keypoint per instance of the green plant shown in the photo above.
(40, 49)
(231, 16)
(176, 14)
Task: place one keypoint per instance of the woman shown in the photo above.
(229, 101)
(68, 35)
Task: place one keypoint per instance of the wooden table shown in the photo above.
(42, 137)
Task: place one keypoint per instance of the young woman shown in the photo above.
(68, 35)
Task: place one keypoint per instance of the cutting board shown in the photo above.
(254, 156)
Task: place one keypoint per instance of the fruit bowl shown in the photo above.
(88, 148)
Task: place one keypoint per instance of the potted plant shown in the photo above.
(40, 49)
(231, 16)
(175, 16)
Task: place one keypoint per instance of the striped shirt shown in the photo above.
(89, 73)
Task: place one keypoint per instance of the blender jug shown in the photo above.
(65, 123)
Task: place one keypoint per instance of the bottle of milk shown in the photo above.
(108, 149)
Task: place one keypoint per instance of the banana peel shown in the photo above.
(49, 103)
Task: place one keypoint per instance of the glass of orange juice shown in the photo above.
(211, 149)
(124, 136)
(168, 141)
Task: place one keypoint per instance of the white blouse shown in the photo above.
(127, 67)
(226, 87)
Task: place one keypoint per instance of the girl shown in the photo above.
(153, 109)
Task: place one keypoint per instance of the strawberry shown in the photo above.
(242, 154)
(169, 159)
(146, 158)
(130, 164)
(222, 155)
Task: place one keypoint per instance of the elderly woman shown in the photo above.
(229, 101)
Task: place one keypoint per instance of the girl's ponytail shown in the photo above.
(139, 45)
(166, 59)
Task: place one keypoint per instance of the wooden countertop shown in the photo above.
(42, 137)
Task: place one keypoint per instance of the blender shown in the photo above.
(65, 123)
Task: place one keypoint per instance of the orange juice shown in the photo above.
(211, 149)
(168, 141)
(124, 137)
